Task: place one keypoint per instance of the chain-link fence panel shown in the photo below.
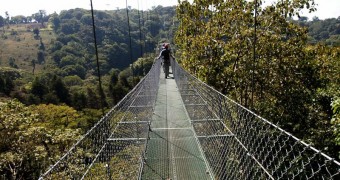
(115, 146)
(239, 144)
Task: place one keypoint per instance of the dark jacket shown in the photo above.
(166, 55)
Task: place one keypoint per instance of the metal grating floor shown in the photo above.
(172, 151)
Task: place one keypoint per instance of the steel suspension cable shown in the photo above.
(254, 58)
(140, 31)
(130, 43)
(143, 25)
(97, 60)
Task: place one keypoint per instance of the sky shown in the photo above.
(326, 8)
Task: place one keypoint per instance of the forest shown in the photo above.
(49, 88)
(285, 70)
(49, 85)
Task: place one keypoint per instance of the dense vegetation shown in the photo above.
(49, 84)
(290, 82)
(322, 31)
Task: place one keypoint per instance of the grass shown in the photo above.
(22, 45)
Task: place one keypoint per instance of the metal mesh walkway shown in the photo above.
(173, 151)
(182, 128)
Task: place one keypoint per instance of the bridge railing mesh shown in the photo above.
(115, 146)
(239, 144)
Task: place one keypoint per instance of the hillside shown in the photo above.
(50, 107)
(62, 48)
(19, 46)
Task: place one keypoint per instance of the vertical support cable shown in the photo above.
(97, 60)
(140, 32)
(148, 30)
(130, 43)
(254, 57)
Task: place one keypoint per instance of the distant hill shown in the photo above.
(57, 60)
(322, 31)
(19, 46)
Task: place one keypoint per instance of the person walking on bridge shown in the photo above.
(166, 54)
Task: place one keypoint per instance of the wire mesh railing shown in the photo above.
(115, 146)
(239, 144)
(236, 143)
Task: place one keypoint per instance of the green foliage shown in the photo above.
(36, 31)
(41, 45)
(40, 17)
(88, 118)
(66, 76)
(142, 66)
(14, 151)
(73, 80)
(41, 57)
(75, 26)
(79, 100)
(288, 82)
(325, 31)
(55, 20)
(60, 90)
(49, 89)
(336, 119)
(38, 89)
(2, 21)
(124, 164)
(58, 116)
(71, 53)
(32, 139)
(7, 78)
(11, 62)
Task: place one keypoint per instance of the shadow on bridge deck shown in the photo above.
(173, 151)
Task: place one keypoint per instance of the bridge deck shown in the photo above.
(173, 151)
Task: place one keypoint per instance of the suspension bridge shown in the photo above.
(180, 128)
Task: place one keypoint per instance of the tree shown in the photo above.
(336, 120)
(73, 80)
(117, 92)
(86, 19)
(40, 17)
(93, 99)
(58, 116)
(34, 138)
(79, 100)
(70, 26)
(36, 32)
(60, 90)
(11, 62)
(9, 85)
(6, 84)
(41, 45)
(29, 19)
(2, 84)
(285, 81)
(7, 18)
(55, 22)
(38, 88)
(2, 21)
(77, 69)
(19, 19)
(41, 57)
